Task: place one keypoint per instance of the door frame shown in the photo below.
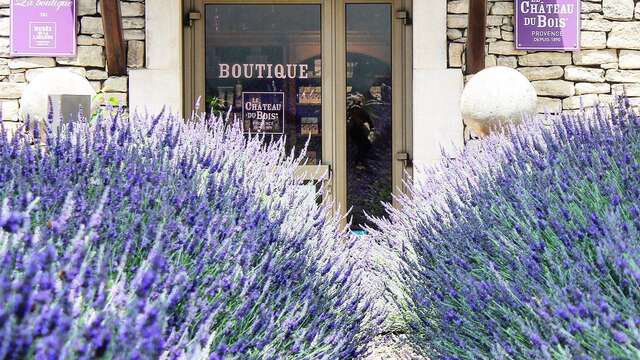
(334, 91)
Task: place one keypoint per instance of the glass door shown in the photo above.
(374, 73)
(330, 73)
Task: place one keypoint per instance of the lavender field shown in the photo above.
(154, 238)
(150, 238)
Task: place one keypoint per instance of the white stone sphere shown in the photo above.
(54, 81)
(497, 96)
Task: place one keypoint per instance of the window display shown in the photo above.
(263, 62)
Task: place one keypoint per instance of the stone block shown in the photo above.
(97, 75)
(31, 62)
(455, 54)
(5, 49)
(133, 23)
(592, 88)
(548, 105)
(545, 59)
(9, 110)
(576, 73)
(115, 84)
(589, 7)
(578, 102)
(87, 7)
(504, 48)
(625, 35)
(457, 21)
(542, 73)
(558, 88)
(626, 89)
(458, 7)
(454, 34)
(90, 40)
(91, 25)
(593, 40)
(508, 61)
(595, 57)
(502, 8)
(623, 76)
(135, 54)
(629, 59)
(5, 26)
(132, 9)
(618, 9)
(133, 34)
(11, 90)
(89, 56)
(596, 25)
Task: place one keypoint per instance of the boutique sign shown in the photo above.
(263, 71)
(547, 24)
(43, 28)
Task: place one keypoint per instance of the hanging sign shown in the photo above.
(547, 24)
(263, 112)
(43, 28)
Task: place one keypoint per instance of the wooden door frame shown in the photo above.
(333, 16)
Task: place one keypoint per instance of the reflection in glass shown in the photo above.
(369, 116)
(264, 67)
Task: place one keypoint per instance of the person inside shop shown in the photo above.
(360, 129)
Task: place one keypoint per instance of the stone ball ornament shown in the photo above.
(495, 97)
(35, 99)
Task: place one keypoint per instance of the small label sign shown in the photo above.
(263, 112)
(547, 24)
(43, 28)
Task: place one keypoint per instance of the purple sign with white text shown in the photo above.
(547, 24)
(43, 28)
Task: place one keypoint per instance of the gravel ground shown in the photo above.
(376, 265)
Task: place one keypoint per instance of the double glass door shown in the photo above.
(328, 76)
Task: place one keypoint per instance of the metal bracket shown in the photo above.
(405, 158)
(404, 16)
(192, 16)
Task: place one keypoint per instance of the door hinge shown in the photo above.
(404, 16)
(405, 158)
(191, 17)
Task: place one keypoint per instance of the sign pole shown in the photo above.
(114, 38)
(476, 36)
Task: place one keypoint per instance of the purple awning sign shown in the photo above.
(547, 24)
(43, 28)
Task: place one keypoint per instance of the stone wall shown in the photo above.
(90, 61)
(608, 64)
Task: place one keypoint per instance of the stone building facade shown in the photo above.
(90, 61)
(608, 63)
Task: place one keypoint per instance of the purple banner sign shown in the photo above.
(263, 112)
(547, 24)
(43, 28)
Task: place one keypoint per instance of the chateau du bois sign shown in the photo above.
(263, 112)
(43, 28)
(547, 24)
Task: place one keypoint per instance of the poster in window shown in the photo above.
(263, 112)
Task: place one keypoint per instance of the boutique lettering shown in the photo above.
(263, 71)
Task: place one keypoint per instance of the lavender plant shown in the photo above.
(529, 247)
(154, 238)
